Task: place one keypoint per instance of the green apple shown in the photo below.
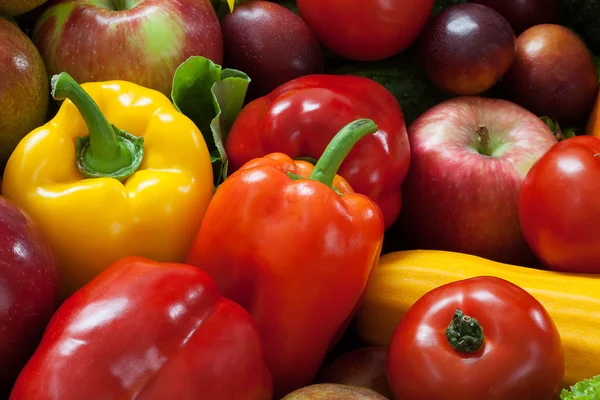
(139, 41)
(24, 88)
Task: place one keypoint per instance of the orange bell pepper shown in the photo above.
(294, 250)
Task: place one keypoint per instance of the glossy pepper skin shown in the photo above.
(300, 118)
(152, 211)
(147, 330)
(293, 252)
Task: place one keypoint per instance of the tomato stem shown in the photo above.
(464, 333)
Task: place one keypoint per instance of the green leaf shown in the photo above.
(228, 99)
(569, 133)
(588, 389)
(560, 133)
(224, 7)
(191, 93)
(212, 98)
(549, 123)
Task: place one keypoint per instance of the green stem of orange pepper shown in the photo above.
(339, 148)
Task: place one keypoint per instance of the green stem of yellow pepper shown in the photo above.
(107, 151)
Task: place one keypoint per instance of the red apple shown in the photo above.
(140, 41)
(28, 290)
(469, 156)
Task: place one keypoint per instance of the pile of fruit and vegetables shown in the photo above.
(300, 199)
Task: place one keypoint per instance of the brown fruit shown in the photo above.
(24, 88)
(467, 48)
(362, 367)
(553, 75)
(13, 8)
(332, 391)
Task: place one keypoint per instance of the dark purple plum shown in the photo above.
(271, 44)
(467, 48)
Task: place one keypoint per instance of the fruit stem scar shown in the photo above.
(464, 333)
(119, 5)
(483, 135)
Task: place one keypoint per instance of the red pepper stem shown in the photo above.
(464, 333)
(107, 151)
(339, 148)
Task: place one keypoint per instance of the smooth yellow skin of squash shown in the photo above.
(401, 278)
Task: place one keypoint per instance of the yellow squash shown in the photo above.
(572, 300)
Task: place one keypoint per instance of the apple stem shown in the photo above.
(339, 148)
(107, 151)
(119, 5)
(464, 333)
(484, 140)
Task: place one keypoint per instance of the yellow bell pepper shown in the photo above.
(100, 194)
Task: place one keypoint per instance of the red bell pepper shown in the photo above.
(300, 118)
(295, 252)
(145, 330)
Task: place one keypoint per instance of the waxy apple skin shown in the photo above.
(459, 200)
(29, 292)
(143, 44)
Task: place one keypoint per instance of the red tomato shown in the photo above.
(559, 208)
(504, 347)
(366, 30)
